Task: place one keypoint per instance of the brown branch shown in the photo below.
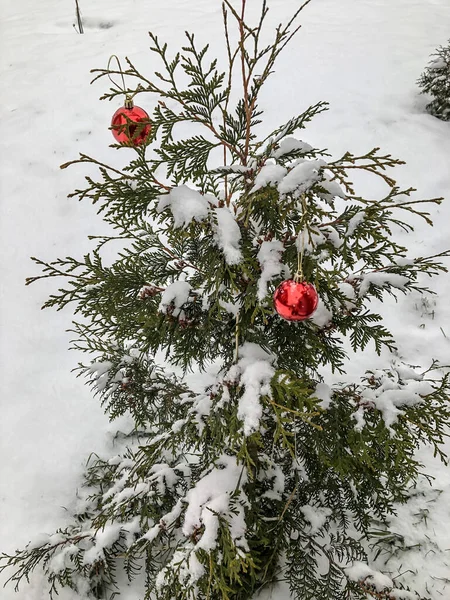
(86, 159)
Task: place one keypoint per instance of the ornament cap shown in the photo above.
(128, 102)
(298, 277)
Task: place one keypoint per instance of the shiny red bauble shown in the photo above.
(131, 125)
(295, 300)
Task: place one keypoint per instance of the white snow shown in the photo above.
(189, 568)
(361, 572)
(255, 371)
(101, 370)
(196, 569)
(210, 498)
(332, 188)
(270, 174)
(437, 63)
(381, 279)
(164, 476)
(269, 256)
(391, 395)
(186, 205)
(274, 473)
(103, 539)
(167, 520)
(302, 177)
(355, 222)
(349, 292)
(322, 316)
(316, 516)
(308, 240)
(59, 561)
(228, 235)
(39, 540)
(201, 407)
(231, 307)
(176, 295)
(324, 394)
(291, 144)
(333, 236)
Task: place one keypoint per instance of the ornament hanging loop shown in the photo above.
(123, 88)
(128, 97)
(299, 277)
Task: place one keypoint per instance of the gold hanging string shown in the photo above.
(128, 97)
(298, 277)
(123, 88)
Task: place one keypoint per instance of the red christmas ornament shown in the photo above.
(295, 300)
(131, 124)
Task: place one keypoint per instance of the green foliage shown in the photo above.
(266, 474)
(435, 80)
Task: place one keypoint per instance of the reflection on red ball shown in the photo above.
(125, 128)
(295, 301)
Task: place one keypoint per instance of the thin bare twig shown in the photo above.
(79, 19)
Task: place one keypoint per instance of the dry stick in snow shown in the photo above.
(79, 20)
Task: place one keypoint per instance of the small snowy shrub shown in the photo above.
(435, 80)
(268, 473)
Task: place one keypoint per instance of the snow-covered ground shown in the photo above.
(363, 56)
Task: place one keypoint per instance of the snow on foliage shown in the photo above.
(270, 174)
(201, 407)
(323, 393)
(332, 189)
(348, 291)
(384, 585)
(381, 279)
(227, 235)
(164, 477)
(289, 145)
(165, 521)
(101, 371)
(333, 236)
(232, 308)
(176, 295)
(61, 560)
(103, 539)
(301, 178)
(189, 568)
(308, 240)
(359, 571)
(355, 222)
(316, 516)
(186, 205)
(269, 256)
(274, 473)
(255, 371)
(392, 389)
(322, 315)
(210, 499)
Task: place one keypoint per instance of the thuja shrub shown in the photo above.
(435, 81)
(267, 473)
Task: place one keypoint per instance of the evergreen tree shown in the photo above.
(435, 80)
(268, 473)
